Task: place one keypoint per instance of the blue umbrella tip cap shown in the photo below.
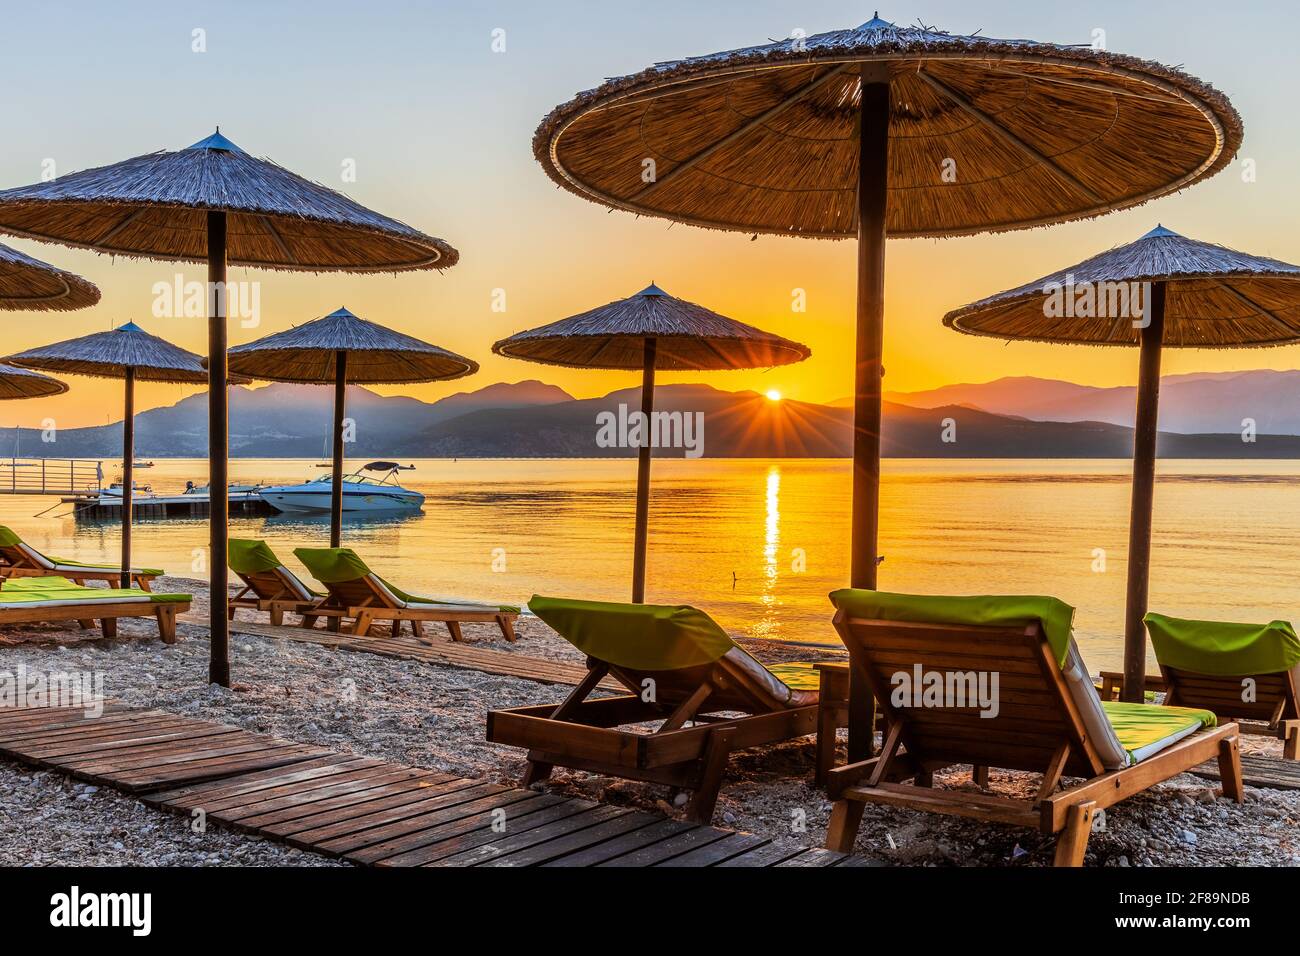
(217, 142)
(129, 327)
(1161, 232)
(652, 289)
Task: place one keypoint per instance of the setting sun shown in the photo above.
(773, 395)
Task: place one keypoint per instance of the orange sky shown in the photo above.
(440, 128)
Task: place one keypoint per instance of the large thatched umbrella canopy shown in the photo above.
(342, 348)
(215, 203)
(1163, 290)
(648, 331)
(131, 354)
(32, 285)
(886, 130)
(22, 383)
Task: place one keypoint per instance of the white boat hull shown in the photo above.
(315, 502)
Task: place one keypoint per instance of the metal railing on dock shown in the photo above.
(49, 476)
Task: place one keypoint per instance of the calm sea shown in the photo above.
(758, 544)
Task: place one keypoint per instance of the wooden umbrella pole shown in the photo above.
(1144, 483)
(128, 474)
(643, 474)
(340, 409)
(218, 480)
(873, 183)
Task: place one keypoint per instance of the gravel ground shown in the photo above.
(432, 716)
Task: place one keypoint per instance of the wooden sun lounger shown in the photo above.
(105, 612)
(275, 592)
(595, 735)
(22, 561)
(365, 601)
(1274, 712)
(1038, 728)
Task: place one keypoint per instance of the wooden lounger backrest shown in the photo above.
(15, 557)
(732, 688)
(358, 592)
(270, 585)
(1035, 718)
(1274, 694)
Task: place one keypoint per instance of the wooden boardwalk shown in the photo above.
(366, 811)
(449, 653)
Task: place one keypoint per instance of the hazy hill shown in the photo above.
(1193, 403)
(530, 419)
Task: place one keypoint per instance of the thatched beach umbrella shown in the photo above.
(131, 354)
(887, 131)
(342, 348)
(648, 331)
(1162, 291)
(214, 203)
(21, 383)
(32, 285)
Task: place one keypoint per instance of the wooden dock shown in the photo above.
(90, 506)
(367, 811)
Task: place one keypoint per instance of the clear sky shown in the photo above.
(439, 128)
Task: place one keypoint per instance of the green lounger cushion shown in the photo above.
(248, 556)
(1055, 616)
(37, 590)
(1223, 649)
(10, 539)
(1139, 726)
(641, 637)
(797, 675)
(52, 582)
(335, 565)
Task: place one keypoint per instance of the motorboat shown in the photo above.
(373, 487)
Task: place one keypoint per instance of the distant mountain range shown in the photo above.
(1197, 403)
(1009, 418)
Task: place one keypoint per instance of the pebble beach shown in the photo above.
(432, 716)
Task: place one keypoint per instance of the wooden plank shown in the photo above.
(1273, 773)
(715, 852)
(562, 846)
(300, 798)
(196, 771)
(183, 798)
(668, 852)
(539, 828)
(638, 839)
(282, 809)
(342, 815)
(769, 854)
(359, 829)
(433, 827)
(816, 856)
(460, 836)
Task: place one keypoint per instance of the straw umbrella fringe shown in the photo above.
(1173, 292)
(650, 330)
(22, 383)
(762, 139)
(131, 354)
(36, 286)
(338, 349)
(887, 130)
(214, 203)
